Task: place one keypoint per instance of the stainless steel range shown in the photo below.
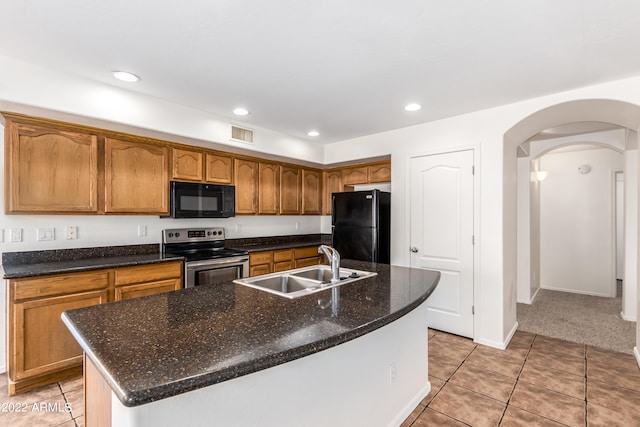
(207, 261)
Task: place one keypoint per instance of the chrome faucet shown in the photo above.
(334, 259)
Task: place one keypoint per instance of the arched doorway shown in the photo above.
(517, 142)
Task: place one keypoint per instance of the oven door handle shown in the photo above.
(235, 260)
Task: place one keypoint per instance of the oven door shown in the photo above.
(215, 271)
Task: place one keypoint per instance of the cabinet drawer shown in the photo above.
(257, 258)
(284, 255)
(60, 284)
(144, 289)
(148, 273)
(307, 252)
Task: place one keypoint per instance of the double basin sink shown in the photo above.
(302, 281)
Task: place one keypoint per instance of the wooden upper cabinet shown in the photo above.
(187, 165)
(355, 175)
(332, 183)
(290, 190)
(269, 189)
(50, 170)
(380, 172)
(136, 178)
(246, 182)
(311, 192)
(219, 169)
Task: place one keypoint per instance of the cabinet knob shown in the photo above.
(414, 249)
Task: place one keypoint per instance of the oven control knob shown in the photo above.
(170, 234)
(177, 234)
(219, 233)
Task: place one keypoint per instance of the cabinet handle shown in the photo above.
(414, 249)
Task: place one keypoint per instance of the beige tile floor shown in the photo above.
(59, 404)
(536, 381)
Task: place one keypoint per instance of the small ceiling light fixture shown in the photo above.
(125, 76)
(313, 133)
(412, 107)
(241, 111)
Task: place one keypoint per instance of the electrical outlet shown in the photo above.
(393, 372)
(15, 234)
(142, 230)
(71, 232)
(46, 234)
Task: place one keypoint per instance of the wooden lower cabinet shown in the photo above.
(265, 262)
(140, 281)
(41, 348)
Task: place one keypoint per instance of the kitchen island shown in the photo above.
(233, 355)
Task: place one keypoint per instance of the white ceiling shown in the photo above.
(345, 68)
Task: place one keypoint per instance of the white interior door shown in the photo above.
(442, 235)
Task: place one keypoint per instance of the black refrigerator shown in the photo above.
(361, 225)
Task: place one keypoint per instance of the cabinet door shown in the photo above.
(136, 178)
(50, 170)
(290, 190)
(219, 169)
(269, 189)
(144, 289)
(311, 192)
(332, 183)
(41, 342)
(246, 180)
(187, 165)
(380, 172)
(355, 175)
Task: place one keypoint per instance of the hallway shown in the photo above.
(579, 318)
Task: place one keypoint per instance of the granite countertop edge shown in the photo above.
(77, 266)
(137, 398)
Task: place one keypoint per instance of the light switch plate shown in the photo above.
(15, 234)
(47, 233)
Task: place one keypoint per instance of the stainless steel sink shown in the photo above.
(302, 281)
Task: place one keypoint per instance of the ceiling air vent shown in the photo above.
(241, 134)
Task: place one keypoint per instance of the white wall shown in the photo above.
(630, 283)
(577, 222)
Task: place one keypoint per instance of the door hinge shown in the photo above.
(473, 240)
(473, 170)
(473, 309)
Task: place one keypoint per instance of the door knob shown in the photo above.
(414, 249)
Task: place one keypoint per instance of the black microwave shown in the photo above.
(194, 200)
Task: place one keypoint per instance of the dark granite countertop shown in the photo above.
(39, 263)
(159, 346)
(279, 242)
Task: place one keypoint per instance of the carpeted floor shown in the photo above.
(579, 318)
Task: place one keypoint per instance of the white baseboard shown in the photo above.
(497, 344)
(408, 409)
(576, 291)
(635, 353)
(627, 318)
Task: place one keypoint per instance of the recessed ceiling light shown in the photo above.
(126, 76)
(412, 107)
(313, 133)
(241, 112)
